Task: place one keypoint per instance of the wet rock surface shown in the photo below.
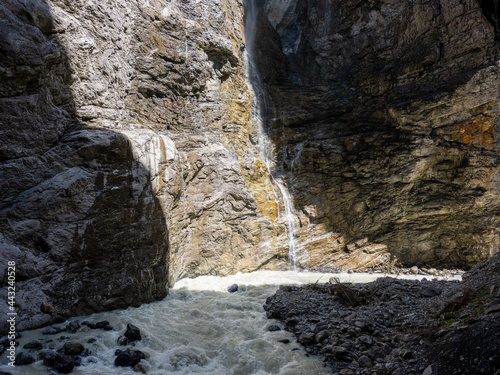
(64, 353)
(395, 326)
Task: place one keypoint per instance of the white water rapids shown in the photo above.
(199, 328)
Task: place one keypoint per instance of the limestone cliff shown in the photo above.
(126, 152)
(385, 118)
(129, 151)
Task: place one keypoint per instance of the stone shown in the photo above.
(493, 309)
(51, 330)
(364, 361)
(274, 328)
(232, 288)
(306, 338)
(122, 340)
(47, 308)
(428, 370)
(63, 364)
(140, 368)
(430, 292)
(102, 324)
(321, 336)
(108, 327)
(284, 341)
(132, 333)
(129, 358)
(72, 327)
(35, 344)
(366, 340)
(73, 348)
(24, 359)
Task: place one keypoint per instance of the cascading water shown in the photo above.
(261, 115)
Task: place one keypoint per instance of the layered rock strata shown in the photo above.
(126, 155)
(385, 118)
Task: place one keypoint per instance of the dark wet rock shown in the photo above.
(72, 327)
(132, 333)
(91, 340)
(274, 328)
(24, 359)
(232, 288)
(108, 328)
(63, 364)
(84, 329)
(306, 338)
(291, 322)
(35, 344)
(140, 368)
(102, 324)
(128, 357)
(284, 341)
(59, 362)
(122, 340)
(5, 373)
(73, 348)
(51, 330)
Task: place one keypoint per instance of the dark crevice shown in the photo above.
(491, 10)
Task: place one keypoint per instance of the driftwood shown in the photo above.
(353, 297)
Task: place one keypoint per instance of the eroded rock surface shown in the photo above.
(385, 121)
(125, 151)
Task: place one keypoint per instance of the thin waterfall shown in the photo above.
(261, 111)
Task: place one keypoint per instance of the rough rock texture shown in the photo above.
(125, 150)
(129, 154)
(395, 326)
(385, 121)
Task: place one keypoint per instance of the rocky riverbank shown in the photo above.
(395, 326)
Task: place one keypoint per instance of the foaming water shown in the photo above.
(199, 328)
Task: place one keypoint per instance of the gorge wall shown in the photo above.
(129, 153)
(386, 123)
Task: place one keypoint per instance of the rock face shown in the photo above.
(385, 122)
(126, 153)
(129, 154)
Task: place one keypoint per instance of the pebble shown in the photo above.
(232, 288)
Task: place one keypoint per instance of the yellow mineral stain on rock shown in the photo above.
(478, 131)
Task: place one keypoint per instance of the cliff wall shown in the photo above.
(385, 118)
(129, 151)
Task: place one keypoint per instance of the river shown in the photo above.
(199, 328)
